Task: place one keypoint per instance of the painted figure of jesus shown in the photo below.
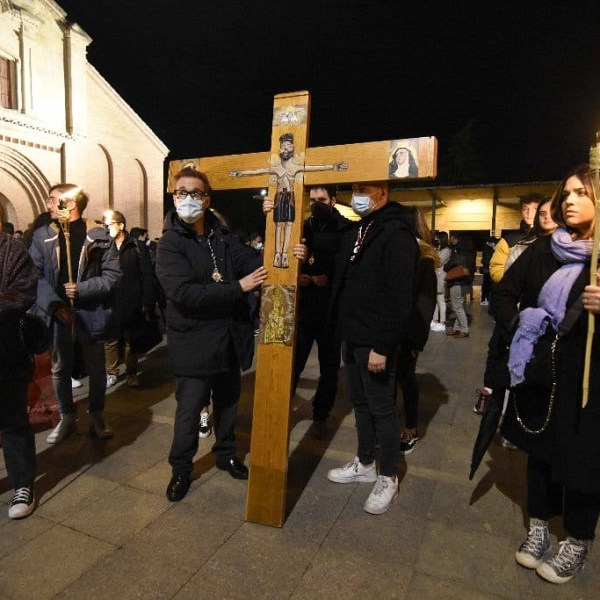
(284, 212)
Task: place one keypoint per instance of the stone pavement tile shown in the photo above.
(256, 562)
(218, 488)
(431, 447)
(118, 515)
(17, 533)
(491, 512)
(431, 588)
(437, 414)
(313, 502)
(159, 560)
(415, 496)
(146, 446)
(80, 492)
(155, 479)
(364, 556)
(50, 562)
(482, 560)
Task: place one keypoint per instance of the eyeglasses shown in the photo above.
(195, 194)
(112, 223)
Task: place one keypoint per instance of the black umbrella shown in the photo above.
(490, 419)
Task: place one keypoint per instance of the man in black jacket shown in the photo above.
(323, 237)
(205, 273)
(373, 296)
(322, 233)
(134, 298)
(75, 297)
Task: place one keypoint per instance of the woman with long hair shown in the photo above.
(547, 288)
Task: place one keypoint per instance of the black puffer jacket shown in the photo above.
(206, 320)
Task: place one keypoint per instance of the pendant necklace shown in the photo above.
(360, 240)
(216, 274)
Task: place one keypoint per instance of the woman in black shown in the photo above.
(560, 436)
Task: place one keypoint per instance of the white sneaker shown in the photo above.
(438, 327)
(66, 426)
(205, 428)
(111, 380)
(75, 383)
(353, 471)
(23, 503)
(382, 496)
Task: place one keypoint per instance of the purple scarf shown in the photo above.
(552, 301)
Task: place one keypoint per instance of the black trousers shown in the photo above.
(546, 499)
(329, 354)
(18, 439)
(193, 393)
(373, 396)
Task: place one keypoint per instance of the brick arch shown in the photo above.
(24, 188)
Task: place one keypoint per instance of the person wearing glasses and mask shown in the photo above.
(64, 299)
(205, 272)
(373, 298)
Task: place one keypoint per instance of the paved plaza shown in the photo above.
(104, 528)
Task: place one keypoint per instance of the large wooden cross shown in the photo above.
(288, 168)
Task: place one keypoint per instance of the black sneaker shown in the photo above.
(408, 442)
(205, 427)
(23, 503)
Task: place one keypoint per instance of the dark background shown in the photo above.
(511, 91)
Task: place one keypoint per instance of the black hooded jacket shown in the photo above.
(373, 294)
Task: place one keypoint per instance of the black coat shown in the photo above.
(18, 284)
(136, 288)
(373, 295)
(323, 240)
(206, 321)
(571, 442)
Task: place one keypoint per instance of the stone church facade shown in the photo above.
(60, 121)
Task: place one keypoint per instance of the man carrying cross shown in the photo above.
(372, 298)
(205, 272)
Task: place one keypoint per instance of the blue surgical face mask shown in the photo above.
(361, 205)
(189, 209)
(259, 246)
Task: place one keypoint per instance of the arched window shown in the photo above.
(7, 80)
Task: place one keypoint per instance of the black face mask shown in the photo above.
(320, 211)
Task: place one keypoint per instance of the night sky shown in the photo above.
(523, 81)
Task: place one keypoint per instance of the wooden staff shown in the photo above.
(65, 225)
(595, 168)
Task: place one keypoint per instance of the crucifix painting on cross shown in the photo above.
(284, 169)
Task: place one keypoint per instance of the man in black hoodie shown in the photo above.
(373, 297)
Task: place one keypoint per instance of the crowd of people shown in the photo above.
(370, 292)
